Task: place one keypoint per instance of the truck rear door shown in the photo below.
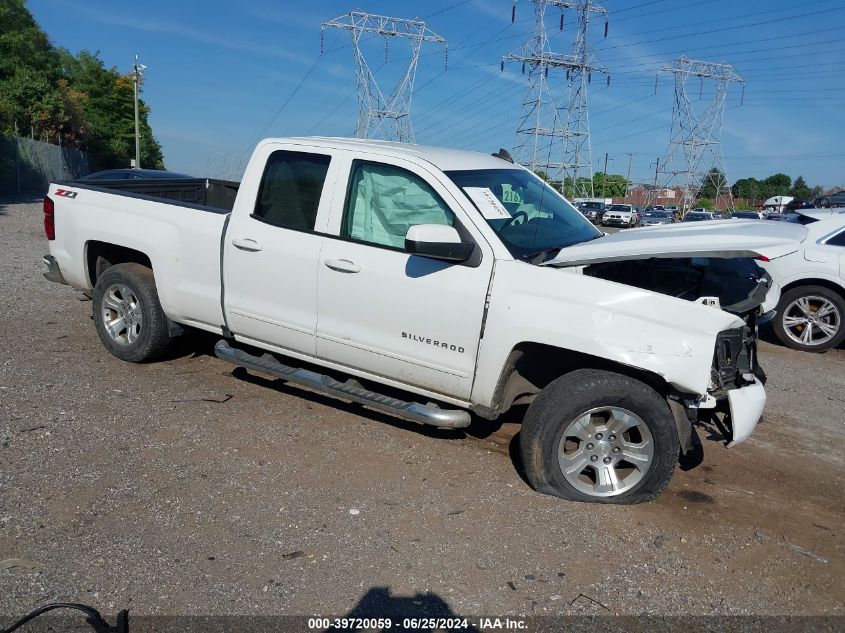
(273, 243)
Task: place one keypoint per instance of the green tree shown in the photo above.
(748, 188)
(50, 92)
(800, 189)
(109, 109)
(776, 185)
(712, 183)
(609, 185)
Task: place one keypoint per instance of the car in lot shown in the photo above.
(811, 309)
(133, 174)
(795, 205)
(699, 216)
(652, 218)
(593, 211)
(746, 215)
(830, 200)
(615, 343)
(624, 215)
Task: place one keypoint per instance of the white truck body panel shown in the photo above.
(717, 238)
(635, 327)
(182, 243)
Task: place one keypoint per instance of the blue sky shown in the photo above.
(219, 72)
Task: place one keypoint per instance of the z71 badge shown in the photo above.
(65, 193)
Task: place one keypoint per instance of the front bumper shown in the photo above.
(746, 406)
(53, 272)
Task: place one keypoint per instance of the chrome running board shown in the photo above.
(349, 390)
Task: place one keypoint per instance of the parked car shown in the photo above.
(652, 218)
(638, 213)
(394, 247)
(746, 215)
(620, 215)
(593, 211)
(796, 205)
(654, 207)
(132, 174)
(811, 309)
(831, 200)
(698, 216)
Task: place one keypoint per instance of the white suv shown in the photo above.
(812, 304)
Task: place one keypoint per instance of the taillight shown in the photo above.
(762, 258)
(49, 219)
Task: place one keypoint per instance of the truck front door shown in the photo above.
(400, 316)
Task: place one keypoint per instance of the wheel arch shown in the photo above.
(814, 281)
(530, 366)
(112, 254)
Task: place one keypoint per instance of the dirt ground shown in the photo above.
(181, 487)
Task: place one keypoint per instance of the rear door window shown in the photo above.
(290, 190)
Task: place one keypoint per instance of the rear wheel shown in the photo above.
(599, 436)
(809, 318)
(128, 315)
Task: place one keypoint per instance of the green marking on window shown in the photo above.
(509, 195)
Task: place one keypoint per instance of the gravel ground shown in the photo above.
(182, 488)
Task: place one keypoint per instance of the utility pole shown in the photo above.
(545, 127)
(604, 177)
(379, 115)
(137, 72)
(694, 156)
(628, 175)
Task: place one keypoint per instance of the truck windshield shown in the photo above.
(528, 215)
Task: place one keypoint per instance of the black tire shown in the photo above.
(783, 311)
(152, 337)
(569, 398)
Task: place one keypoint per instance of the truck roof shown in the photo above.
(444, 158)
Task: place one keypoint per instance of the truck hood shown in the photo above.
(721, 239)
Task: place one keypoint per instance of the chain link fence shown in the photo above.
(29, 166)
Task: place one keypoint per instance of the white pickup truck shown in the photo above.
(432, 283)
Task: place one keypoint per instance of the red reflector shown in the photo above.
(49, 219)
(762, 258)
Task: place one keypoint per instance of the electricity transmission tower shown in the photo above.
(694, 158)
(380, 116)
(549, 125)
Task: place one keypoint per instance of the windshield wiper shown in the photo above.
(541, 255)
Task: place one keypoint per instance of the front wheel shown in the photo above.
(809, 318)
(601, 437)
(128, 315)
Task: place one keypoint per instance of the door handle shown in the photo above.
(343, 265)
(246, 244)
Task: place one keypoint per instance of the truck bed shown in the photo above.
(217, 195)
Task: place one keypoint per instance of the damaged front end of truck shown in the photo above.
(717, 267)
